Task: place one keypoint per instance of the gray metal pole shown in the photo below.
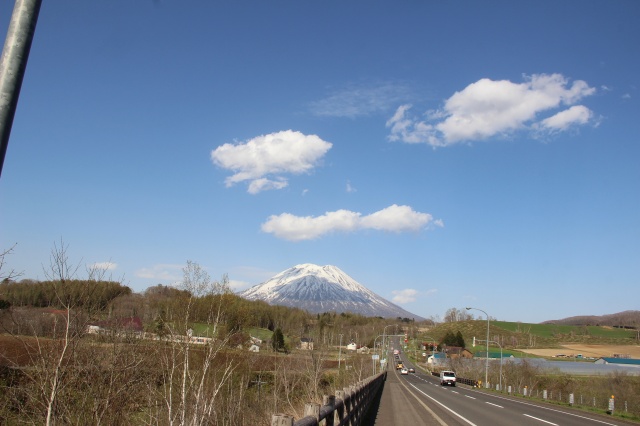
(14, 63)
(486, 367)
(340, 352)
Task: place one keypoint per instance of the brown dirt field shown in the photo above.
(595, 351)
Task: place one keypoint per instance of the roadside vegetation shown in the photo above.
(82, 348)
(591, 393)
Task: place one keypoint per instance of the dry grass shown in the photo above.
(595, 351)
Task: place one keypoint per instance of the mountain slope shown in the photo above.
(320, 289)
(628, 319)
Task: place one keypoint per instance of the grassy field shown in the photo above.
(261, 333)
(522, 336)
(552, 330)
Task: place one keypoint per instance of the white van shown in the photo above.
(447, 378)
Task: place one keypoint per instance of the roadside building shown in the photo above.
(619, 361)
(436, 358)
(456, 352)
(306, 343)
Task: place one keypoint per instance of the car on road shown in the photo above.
(447, 378)
(404, 371)
(412, 370)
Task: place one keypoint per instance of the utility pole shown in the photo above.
(340, 352)
(14, 63)
(486, 368)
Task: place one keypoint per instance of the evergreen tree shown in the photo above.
(460, 340)
(277, 340)
(449, 339)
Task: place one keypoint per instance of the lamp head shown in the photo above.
(468, 308)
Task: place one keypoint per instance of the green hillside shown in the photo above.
(564, 331)
(516, 335)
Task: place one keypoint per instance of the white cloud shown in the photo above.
(359, 100)
(577, 114)
(407, 295)
(264, 160)
(489, 108)
(262, 184)
(431, 292)
(236, 285)
(162, 272)
(396, 219)
(410, 130)
(296, 228)
(393, 218)
(626, 96)
(350, 188)
(104, 266)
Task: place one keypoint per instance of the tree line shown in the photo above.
(93, 295)
(53, 372)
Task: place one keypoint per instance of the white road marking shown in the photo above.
(495, 405)
(554, 410)
(444, 406)
(540, 420)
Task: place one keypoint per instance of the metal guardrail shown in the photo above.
(346, 407)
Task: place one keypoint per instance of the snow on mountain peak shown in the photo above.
(322, 289)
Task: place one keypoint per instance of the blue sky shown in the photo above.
(443, 154)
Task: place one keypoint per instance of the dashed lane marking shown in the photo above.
(495, 405)
(540, 420)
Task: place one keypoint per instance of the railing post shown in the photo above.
(312, 409)
(329, 401)
(348, 406)
(357, 405)
(281, 420)
(339, 413)
(352, 404)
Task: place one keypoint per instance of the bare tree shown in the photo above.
(60, 271)
(455, 315)
(63, 366)
(192, 383)
(11, 274)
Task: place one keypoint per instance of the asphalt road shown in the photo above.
(418, 399)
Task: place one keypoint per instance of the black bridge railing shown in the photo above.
(347, 407)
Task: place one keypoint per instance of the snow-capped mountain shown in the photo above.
(320, 289)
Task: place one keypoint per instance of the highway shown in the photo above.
(418, 399)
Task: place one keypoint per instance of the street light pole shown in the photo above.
(486, 367)
(384, 334)
(500, 364)
(340, 352)
(374, 350)
(493, 341)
